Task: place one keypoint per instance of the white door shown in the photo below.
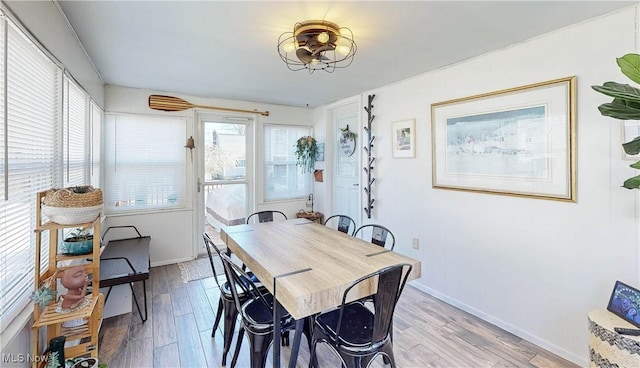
(345, 183)
(224, 182)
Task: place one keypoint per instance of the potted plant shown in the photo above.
(306, 151)
(625, 106)
(86, 363)
(79, 241)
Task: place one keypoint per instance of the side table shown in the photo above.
(313, 216)
(608, 348)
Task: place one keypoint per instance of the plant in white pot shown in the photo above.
(625, 106)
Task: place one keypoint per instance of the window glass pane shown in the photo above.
(283, 179)
(145, 162)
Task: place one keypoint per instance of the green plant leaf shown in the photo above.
(630, 66)
(619, 90)
(632, 183)
(632, 147)
(619, 109)
(635, 165)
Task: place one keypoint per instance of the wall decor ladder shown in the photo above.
(369, 165)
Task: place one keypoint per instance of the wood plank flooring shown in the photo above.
(427, 333)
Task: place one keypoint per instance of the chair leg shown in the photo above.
(218, 318)
(230, 316)
(259, 345)
(236, 353)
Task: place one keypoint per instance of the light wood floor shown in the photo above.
(428, 333)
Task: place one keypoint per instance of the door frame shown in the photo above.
(330, 147)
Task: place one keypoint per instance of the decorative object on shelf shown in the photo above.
(44, 295)
(311, 216)
(317, 45)
(72, 205)
(79, 242)
(347, 141)
(317, 175)
(310, 202)
(75, 280)
(86, 363)
(519, 141)
(56, 352)
(370, 159)
(306, 153)
(170, 103)
(404, 138)
(625, 106)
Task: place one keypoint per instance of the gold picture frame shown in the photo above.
(519, 141)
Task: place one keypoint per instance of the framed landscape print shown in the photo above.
(519, 141)
(404, 138)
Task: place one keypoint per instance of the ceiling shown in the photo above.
(227, 49)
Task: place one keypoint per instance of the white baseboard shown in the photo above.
(579, 360)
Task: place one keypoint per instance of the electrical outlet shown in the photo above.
(416, 243)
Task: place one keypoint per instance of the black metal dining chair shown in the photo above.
(256, 314)
(265, 216)
(226, 303)
(341, 223)
(359, 334)
(377, 234)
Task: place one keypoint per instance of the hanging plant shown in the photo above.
(306, 151)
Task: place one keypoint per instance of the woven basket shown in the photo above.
(69, 197)
(72, 215)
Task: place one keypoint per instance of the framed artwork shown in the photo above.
(404, 138)
(519, 141)
(320, 152)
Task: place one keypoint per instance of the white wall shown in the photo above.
(534, 267)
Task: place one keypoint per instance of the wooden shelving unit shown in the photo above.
(47, 318)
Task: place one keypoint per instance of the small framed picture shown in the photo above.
(320, 152)
(404, 138)
(625, 303)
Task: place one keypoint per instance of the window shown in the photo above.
(28, 161)
(136, 176)
(74, 132)
(95, 135)
(283, 179)
(43, 144)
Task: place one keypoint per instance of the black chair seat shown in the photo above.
(259, 318)
(357, 330)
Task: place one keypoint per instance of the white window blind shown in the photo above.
(145, 162)
(283, 179)
(29, 150)
(75, 116)
(95, 136)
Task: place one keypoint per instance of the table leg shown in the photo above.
(277, 308)
(296, 343)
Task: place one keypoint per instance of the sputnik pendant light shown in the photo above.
(317, 45)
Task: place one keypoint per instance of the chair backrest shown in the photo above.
(379, 235)
(391, 282)
(209, 244)
(240, 283)
(342, 223)
(265, 216)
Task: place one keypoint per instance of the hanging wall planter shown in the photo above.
(306, 153)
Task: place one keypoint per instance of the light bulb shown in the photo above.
(289, 47)
(315, 62)
(323, 37)
(343, 50)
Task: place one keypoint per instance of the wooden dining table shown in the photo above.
(307, 267)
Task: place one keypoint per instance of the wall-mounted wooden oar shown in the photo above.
(169, 103)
